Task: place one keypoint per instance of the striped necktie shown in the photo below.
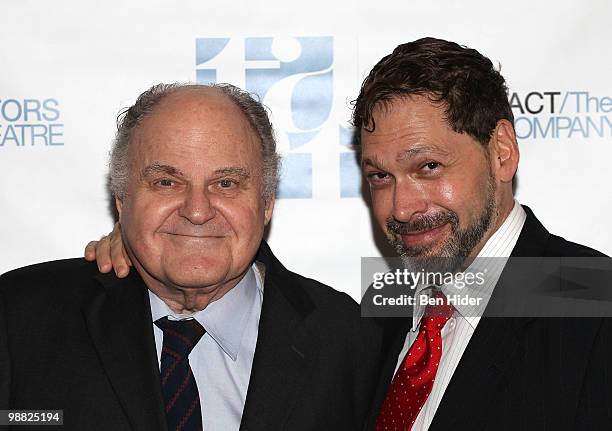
(179, 389)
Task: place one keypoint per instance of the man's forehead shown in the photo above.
(407, 141)
(196, 116)
(195, 100)
(406, 114)
(407, 126)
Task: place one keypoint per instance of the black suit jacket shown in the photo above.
(80, 341)
(520, 373)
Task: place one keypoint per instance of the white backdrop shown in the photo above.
(68, 68)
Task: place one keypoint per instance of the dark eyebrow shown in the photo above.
(158, 168)
(374, 162)
(243, 173)
(415, 151)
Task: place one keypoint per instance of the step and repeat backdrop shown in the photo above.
(68, 68)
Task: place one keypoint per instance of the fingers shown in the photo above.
(109, 253)
(99, 251)
(120, 259)
(103, 254)
(90, 251)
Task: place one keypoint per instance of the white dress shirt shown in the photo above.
(221, 361)
(460, 327)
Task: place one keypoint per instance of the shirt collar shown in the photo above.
(224, 319)
(491, 260)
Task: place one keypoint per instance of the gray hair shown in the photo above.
(129, 119)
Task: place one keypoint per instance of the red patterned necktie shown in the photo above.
(415, 376)
(179, 389)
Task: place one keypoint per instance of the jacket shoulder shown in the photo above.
(338, 310)
(326, 296)
(559, 246)
(535, 240)
(302, 291)
(45, 269)
(52, 280)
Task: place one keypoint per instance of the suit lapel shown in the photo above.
(533, 238)
(493, 350)
(286, 350)
(119, 323)
(482, 373)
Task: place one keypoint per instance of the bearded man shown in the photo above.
(439, 152)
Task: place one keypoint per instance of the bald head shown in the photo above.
(194, 99)
(181, 101)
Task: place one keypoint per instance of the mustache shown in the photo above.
(423, 223)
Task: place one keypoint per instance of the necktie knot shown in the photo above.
(180, 336)
(437, 312)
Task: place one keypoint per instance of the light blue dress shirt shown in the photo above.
(222, 359)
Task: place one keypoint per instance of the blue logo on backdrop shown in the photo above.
(561, 114)
(30, 122)
(294, 76)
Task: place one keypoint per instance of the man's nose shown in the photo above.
(409, 198)
(197, 207)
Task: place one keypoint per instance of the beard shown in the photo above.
(453, 252)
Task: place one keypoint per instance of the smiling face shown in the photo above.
(193, 215)
(433, 192)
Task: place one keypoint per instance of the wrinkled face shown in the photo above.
(433, 193)
(193, 215)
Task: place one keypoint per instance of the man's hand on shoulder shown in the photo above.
(109, 253)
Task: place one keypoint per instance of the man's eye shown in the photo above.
(165, 182)
(431, 165)
(377, 177)
(226, 183)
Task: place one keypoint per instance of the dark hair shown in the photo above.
(472, 91)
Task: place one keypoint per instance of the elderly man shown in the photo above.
(210, 331)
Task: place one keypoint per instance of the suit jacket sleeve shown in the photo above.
(4, 358)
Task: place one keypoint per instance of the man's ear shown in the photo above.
(119, 206)
(269, 209)
(504, 151)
